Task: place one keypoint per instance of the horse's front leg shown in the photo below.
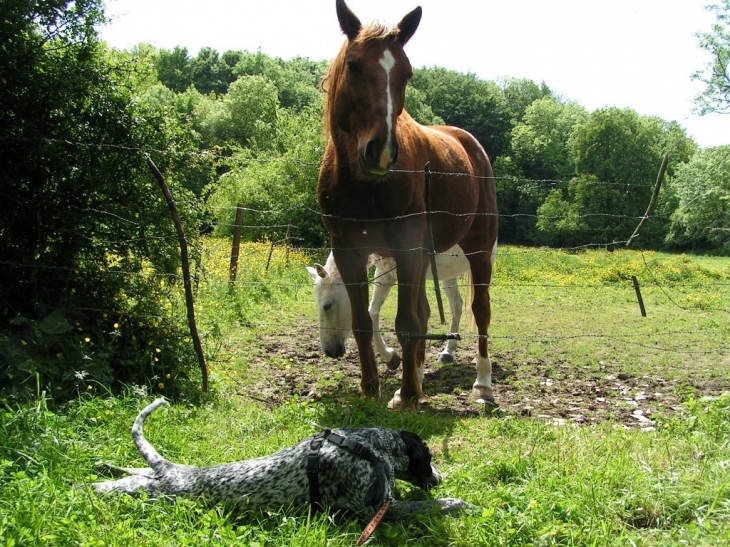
(411, 319)
(451, 290)
(352, 266)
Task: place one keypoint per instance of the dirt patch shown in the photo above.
(555, 391)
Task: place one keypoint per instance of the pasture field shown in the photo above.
(612, 428)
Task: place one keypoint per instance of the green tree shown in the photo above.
(702, 186)
(541, 142)
(617, 155)
(277, 185)
(716, 75)
(209, 73)
(83, 227)
(521, 93)
(175, 68)
(250, 109)
(419, 109)
(296, 81)
(463, 100)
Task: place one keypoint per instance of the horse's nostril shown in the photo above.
(370, 150)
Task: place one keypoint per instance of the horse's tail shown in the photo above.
(148, 452)
(471, 323)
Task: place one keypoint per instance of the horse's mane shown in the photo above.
(328, 85)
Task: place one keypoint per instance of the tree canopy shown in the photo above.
(716, 74)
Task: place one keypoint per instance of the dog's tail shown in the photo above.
(151, 456)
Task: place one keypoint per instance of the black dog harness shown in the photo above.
(357, 448)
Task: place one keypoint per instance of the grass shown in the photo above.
(537, 484)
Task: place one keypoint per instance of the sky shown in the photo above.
(638, 54)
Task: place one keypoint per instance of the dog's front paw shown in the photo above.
(455, 505)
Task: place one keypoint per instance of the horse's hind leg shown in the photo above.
(451, 290)
(382, 288)
(481, 263)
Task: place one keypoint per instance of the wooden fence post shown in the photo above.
(652, 201)
(271, 252)
(236, 243)
(638, 295)
(288, 240)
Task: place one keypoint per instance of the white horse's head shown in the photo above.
(333, 307)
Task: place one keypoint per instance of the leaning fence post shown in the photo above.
(186, 271)
(652, 201)
(271, 252)
(638, 295)
(236, 243)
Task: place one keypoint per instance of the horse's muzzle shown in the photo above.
(377, 157)
(335, 351)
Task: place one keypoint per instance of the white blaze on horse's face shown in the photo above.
(388, 62)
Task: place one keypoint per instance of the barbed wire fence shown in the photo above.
(290, 240)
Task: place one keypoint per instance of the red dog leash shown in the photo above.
(370, 528)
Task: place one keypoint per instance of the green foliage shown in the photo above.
(82, 241)
(174, 69)
(702, 188)
(463, 100)
(277, 186)
(520, 93)
(419, 109)
(541, 141)
(296, 80)
(210, 73)
(617, 155)
(716, 74)
(248, 113)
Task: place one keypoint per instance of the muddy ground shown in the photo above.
(292, 365)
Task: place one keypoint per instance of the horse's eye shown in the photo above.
(354, 68)
(327, 306)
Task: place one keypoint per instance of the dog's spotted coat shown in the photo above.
(347, 482)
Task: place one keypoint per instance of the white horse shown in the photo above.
(335, 315)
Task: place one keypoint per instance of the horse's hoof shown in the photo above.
(394, 362)
(445, 358)
(371, 391)
(483, 394)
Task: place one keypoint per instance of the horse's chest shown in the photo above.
(371, 202)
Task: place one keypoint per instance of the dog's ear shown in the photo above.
(419, 459)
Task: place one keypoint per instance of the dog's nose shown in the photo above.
(435, 477)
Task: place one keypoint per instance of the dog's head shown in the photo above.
(419, 470)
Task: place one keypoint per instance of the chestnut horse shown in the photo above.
(371, 193)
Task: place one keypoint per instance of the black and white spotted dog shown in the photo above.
(355, 471)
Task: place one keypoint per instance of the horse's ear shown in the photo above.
(320, 270)
(349, 23)
(408, 25)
